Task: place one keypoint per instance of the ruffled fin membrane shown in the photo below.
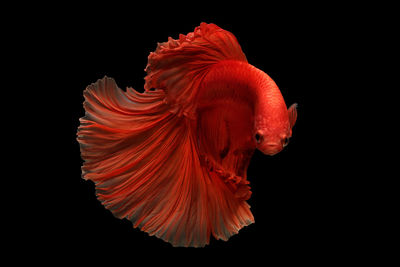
(144, 162)
(178, 66)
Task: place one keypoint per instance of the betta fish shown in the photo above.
(173, 160)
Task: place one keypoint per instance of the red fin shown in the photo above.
(292, 111)
(145, 165)
(225, 134)
(227, 213)
(177, 66)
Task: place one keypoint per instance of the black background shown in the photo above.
(299, 196)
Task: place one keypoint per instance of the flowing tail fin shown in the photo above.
(144, 162)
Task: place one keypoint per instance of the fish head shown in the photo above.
(273, 134)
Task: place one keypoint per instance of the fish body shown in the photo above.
(174, 159)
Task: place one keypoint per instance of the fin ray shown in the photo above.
(145, 163)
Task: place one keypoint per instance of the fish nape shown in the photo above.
(173, 160)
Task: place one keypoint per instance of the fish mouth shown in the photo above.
(271, 149)
(271, 153)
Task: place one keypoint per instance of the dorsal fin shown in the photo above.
(178, 66)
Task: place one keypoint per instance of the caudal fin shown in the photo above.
(144, 162)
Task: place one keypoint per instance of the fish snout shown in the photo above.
(267, 147)
(271, 148)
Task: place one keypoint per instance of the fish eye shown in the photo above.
(285, 141)
(258, 138)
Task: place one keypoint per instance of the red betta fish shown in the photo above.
(173, 160)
